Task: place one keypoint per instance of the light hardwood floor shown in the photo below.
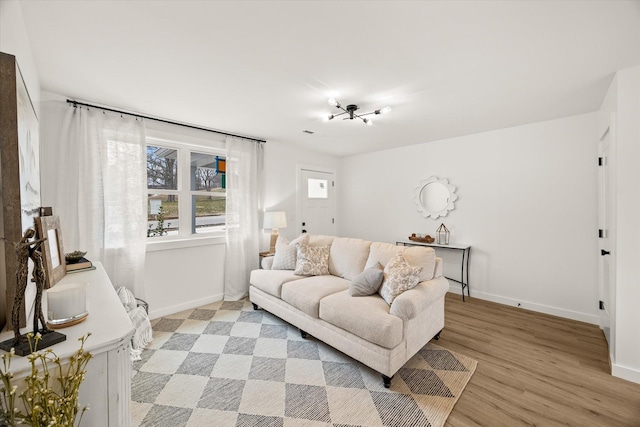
(534, 369)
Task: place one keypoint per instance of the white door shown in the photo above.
(606, 233)
(316, 200)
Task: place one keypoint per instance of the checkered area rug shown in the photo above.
(225, 364)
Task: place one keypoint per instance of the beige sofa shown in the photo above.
(366, 328)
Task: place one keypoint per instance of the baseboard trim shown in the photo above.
(166, 311)
(625, 373)
(541, 308)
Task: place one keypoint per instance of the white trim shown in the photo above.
(178, 243)
(540, 308)
(625, 373)
(155, 314)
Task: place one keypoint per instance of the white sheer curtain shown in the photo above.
(245, 194)
(99, 191)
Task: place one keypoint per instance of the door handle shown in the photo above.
(603, 252)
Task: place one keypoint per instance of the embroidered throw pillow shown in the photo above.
(399, 276)
(312, 260)
(367, 283)
(285, 258)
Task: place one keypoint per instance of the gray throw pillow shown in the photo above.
(367, 283)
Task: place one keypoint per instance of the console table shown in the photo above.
(464, 264)
(107, 384)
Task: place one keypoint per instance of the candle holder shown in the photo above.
(442, 235)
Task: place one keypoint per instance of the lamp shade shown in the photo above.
(275, 220)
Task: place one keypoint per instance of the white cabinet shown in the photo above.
(107, 385)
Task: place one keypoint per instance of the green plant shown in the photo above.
(50, 397)
(160, 229)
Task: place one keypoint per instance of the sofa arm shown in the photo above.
(409, 303)
(267, 262)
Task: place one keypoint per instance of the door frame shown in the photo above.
(610, 241)
(314, 168)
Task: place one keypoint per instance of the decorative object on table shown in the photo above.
(74, 257)
(52, 252)
(442, 233)
(77, 262)
(19, 174)
(66, 305)
(28, 248)
(434, 197)
(423, 239)
(274, 221)
(50, 399)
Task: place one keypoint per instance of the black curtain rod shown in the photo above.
(82, 104)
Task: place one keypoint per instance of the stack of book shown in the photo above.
(81, 265)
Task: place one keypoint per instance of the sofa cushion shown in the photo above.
(286, 252)
(270, 281)
(399, 276)
(320, 240)
(367, 317)
(305, 294)
(347, 257)
(312, 260)
(421, 256)
(382, 253)
(367, 283)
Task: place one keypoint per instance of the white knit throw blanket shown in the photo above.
(143, 334)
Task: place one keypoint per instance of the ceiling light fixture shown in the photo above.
(351, 111)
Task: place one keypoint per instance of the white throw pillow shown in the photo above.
(312, 260)
(286, 252)
(399, 276)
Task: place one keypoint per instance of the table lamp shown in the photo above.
(274, 221)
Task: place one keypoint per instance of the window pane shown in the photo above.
(209, 212)
(207, 172)
(162, 168)
(318, 188)
(162, 215)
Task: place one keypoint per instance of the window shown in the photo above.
(186, 189)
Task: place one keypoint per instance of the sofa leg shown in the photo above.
(303, 334)
(255, 306)
(386, 380)
(437, 336)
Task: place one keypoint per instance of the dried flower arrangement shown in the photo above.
(46, 402)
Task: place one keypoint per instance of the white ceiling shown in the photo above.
(265, 69)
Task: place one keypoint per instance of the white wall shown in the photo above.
(14, 40)
(623, 98)
(526, 204)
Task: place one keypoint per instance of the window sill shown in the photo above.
(182, 242)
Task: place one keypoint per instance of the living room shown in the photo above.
(527, 183)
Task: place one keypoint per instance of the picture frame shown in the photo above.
(20, 176)
(53, 258)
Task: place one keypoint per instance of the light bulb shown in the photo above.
(332, 102)
(369, 122)
(385, 110)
